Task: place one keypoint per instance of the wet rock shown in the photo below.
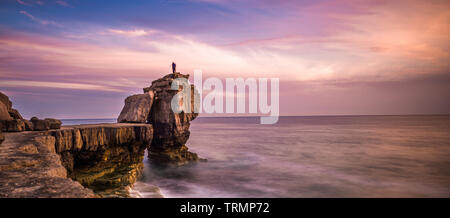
(145, 190)
(172, 156)
(137, 108)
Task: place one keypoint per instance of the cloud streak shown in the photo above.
(40, 21)
(64, 4)
(58, 85)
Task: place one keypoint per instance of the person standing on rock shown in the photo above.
(174, 66)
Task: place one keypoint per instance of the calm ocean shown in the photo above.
(320, 156)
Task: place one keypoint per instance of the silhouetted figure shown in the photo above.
(174, 67)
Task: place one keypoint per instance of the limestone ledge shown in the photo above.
(31, 164)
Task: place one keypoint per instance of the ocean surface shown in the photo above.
(318, 156)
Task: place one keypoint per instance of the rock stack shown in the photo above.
(12, 121)
(171, 129)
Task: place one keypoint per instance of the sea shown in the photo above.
(310, 156)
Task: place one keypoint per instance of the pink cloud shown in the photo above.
(23, 3)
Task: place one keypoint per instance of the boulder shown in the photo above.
(13, 125)
(137, 108)
(54, 123)
(40, 125)
(46, 124)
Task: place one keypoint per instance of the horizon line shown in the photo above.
(337, 115)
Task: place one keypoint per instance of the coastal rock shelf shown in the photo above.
(106, 158)
(30, 167)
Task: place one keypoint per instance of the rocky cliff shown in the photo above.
(106, 158)
(29, 168)
(171, 129)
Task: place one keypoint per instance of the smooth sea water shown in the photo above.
(319, 156)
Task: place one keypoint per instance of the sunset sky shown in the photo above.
(81, 58)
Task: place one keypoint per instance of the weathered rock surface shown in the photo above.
(5, 100)
(29, 167)
(15, 114)
(6, 110)
(54, 123)
(13, 125)
(171, 129)
(4, 114)
(106, 158)
(40, 125)
(137, 108)
(46, 124)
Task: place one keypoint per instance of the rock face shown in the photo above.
(106, 158)
(29, 167)
(4, 114)
(137, 108)
(13, 125)
(171, 129)
(15, 114)
(6, 108)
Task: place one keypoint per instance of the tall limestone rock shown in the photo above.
(171, 128)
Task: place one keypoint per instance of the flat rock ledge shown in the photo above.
(44, 163)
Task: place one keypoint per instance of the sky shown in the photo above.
(82, 58)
